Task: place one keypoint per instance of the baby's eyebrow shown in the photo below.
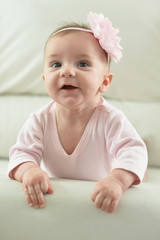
(79, 56)
(85, 56)
(52, 56)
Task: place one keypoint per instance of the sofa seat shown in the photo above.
(70, 212)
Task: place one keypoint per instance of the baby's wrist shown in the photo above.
(22, 169)
(123, 177)
(114, 179)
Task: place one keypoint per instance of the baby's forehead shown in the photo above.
(73, 39)
(68, 35)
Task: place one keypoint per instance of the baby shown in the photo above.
(79, 135)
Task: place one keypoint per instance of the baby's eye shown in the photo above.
(56, 65)
(83, 64)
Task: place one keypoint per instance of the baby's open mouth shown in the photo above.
(68, 87)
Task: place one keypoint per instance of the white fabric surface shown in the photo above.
(70, 213)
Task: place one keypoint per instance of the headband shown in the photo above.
(103, 30)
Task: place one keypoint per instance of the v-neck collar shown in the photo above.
(82, 143)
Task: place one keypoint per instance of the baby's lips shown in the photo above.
(68, 87)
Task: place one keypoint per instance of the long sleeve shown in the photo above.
(29, 145)
(126, 148)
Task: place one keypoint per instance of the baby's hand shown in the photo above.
(107, 194)
(35, 184)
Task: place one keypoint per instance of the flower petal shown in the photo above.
(107, 35)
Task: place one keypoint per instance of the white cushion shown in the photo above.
(3, 167)
(70, 214)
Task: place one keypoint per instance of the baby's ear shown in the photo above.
(106, 83)
(43, 77)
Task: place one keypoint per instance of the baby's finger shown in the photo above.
(33, 196)
(106, 203)
(40, 197)
(29, 201)
(99, 200)
(94, 195)
(44, 186)
(113, 205)
(50, 189)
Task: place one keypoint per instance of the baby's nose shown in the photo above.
(67, 72)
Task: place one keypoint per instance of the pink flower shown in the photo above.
(107, 35)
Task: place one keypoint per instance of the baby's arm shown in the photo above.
(108, 191)
(35, 183)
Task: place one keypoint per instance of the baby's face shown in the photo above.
(75, 69)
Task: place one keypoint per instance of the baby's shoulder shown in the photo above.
(43, 113)
(113, 118)
(109, 111)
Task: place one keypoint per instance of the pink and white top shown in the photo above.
(109, 141)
